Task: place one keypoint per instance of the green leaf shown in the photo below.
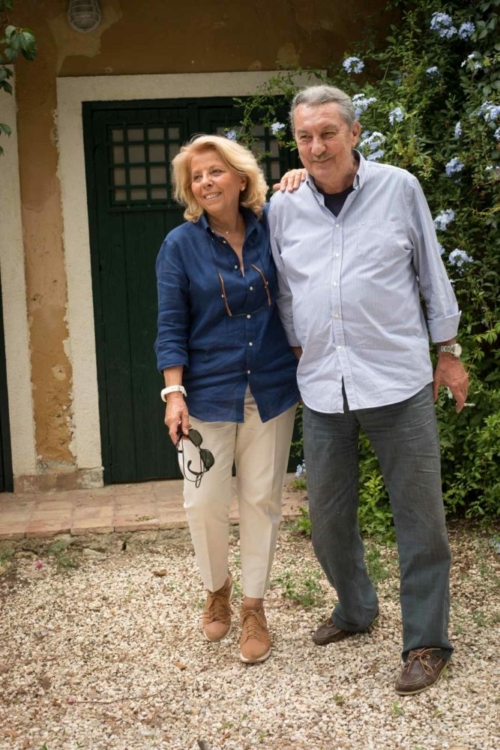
(5, 73)
(11, 54)
(5, 129)
(5, 85)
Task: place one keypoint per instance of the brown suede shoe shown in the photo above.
(423, 669)
(216, 620)
(328, 632)
(255, 641)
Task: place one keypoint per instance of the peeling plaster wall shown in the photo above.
(134, 38)
(44, 255)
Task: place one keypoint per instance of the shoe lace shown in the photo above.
(253, 624)
(422, 654)
(218, 608)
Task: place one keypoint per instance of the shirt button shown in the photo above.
(236, 268)
(251, 288)
(249, 372)
(339, 348)
(249, 316)
(337, 226)
(334, 283)
(250, 343)
(224, 242)
(337, 255)
(336, 315)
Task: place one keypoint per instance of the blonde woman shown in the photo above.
(230, 376)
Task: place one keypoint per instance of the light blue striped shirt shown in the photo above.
(350, 286)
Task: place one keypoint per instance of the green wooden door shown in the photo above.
(129, 146)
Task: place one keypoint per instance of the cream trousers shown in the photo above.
(260, 453)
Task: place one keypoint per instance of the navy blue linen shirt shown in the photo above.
(222, 355)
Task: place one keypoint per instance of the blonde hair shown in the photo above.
(235, 156)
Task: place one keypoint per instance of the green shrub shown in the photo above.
(429, 101)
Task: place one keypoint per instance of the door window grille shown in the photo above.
(139, 159)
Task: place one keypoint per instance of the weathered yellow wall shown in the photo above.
(156, 36)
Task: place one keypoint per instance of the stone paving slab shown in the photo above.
(119, 507)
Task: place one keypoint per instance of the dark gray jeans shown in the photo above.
(405, 439)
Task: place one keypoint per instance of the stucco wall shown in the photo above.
(134, 38)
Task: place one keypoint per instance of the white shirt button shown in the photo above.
(336, 315)
(250, 343)
(337, 255)
(337, 226)
(249, 316)
(334, 283)
(339, 347)
(251, 288)
(248, 372)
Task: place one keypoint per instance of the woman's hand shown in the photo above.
(176, 416)
(291, 180)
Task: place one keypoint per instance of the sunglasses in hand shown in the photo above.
(206, 458)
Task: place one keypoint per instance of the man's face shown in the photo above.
(325, 142)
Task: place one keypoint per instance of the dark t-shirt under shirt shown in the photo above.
(335, 201)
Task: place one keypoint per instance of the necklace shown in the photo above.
(237, 231)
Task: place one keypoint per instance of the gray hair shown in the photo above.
(314, 96)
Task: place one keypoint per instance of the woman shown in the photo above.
(229, 374)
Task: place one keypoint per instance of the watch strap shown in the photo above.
(172, 389)
(454, 349)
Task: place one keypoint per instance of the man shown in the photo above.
(355, 248)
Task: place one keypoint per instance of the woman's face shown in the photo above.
(216, 188)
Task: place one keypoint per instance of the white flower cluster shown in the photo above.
(443, 219)
(353, 65)
(371, 144)
(361, 102)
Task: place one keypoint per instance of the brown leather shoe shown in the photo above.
(328, 632)
(255, 641)
(423, 669)
(216, 620)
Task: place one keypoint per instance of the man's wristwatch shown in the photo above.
(172, 389)
(454, 349)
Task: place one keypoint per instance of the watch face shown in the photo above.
(456, 350)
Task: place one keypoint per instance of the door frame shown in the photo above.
(71, 93)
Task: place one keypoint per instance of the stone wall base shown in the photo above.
(81, 479)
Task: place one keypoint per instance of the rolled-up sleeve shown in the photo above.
(171, 344)
(443, 315)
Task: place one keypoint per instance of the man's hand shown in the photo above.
(291, 180)
(451, 373)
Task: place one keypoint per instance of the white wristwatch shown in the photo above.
(172, 389)
(454, 349)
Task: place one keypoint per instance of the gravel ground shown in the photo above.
(100, 649)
